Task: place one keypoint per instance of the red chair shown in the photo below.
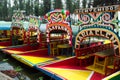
(82, 56)
(114, 66)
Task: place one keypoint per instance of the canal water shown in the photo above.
(25, 72)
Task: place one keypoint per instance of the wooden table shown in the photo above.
(63, 46)
(102, 55)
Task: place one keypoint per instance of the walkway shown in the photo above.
(4, 77)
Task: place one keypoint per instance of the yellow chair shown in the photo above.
(53, 48)
(98, 62)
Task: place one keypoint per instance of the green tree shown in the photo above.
(95, 3)
(5, 10)
(1, 13)
(10, 11)
(27, 7)
(47, 5)
(41, 10)
(21, 4)
(84, 3)
(109, 2)
(90, 3)
(36, 10)
(32, 7)
(76, 5)
(69, 6)
(16, 5)
(58, 4)
(105, 2)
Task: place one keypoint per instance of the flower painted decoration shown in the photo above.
(57, 16)
(18, 16)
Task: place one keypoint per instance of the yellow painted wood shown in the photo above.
(97, 69)
(21, 52)
(71, 74)
(14, 51)
(112, 75)
(1, 47)
(33, 60)
(36, 60)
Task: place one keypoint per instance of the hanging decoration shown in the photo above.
(57, 16)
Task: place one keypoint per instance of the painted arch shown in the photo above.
(109, 34)
(58, 20)
(32, 27)
(59, 26)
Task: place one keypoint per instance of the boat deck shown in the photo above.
(68, 69)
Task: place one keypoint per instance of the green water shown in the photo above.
(26, 73)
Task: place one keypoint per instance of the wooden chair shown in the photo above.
(53, 48)
(102, 58)
(82, 56)
(114, 65)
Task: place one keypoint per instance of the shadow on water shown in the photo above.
(25, 72)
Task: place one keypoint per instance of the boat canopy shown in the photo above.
(43, 27)
(5, 25)
(26, 25)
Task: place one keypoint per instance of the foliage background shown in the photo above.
(41, 7)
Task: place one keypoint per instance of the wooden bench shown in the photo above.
(85, 54)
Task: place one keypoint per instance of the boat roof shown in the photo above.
(4, 25)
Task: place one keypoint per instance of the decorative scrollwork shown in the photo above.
(84, 19)
(106, 17)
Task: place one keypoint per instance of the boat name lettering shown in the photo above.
(98, 33)
(57, 27)
(98, 9)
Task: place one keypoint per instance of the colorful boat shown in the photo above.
(69, 69)
(12, 32)
(44, 51)
(64, 55)
(5, 34)
(92, 61)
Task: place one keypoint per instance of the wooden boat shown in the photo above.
(42, 53)
(91, 62)
(5, 38)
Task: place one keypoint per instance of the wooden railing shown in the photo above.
(92, 49)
